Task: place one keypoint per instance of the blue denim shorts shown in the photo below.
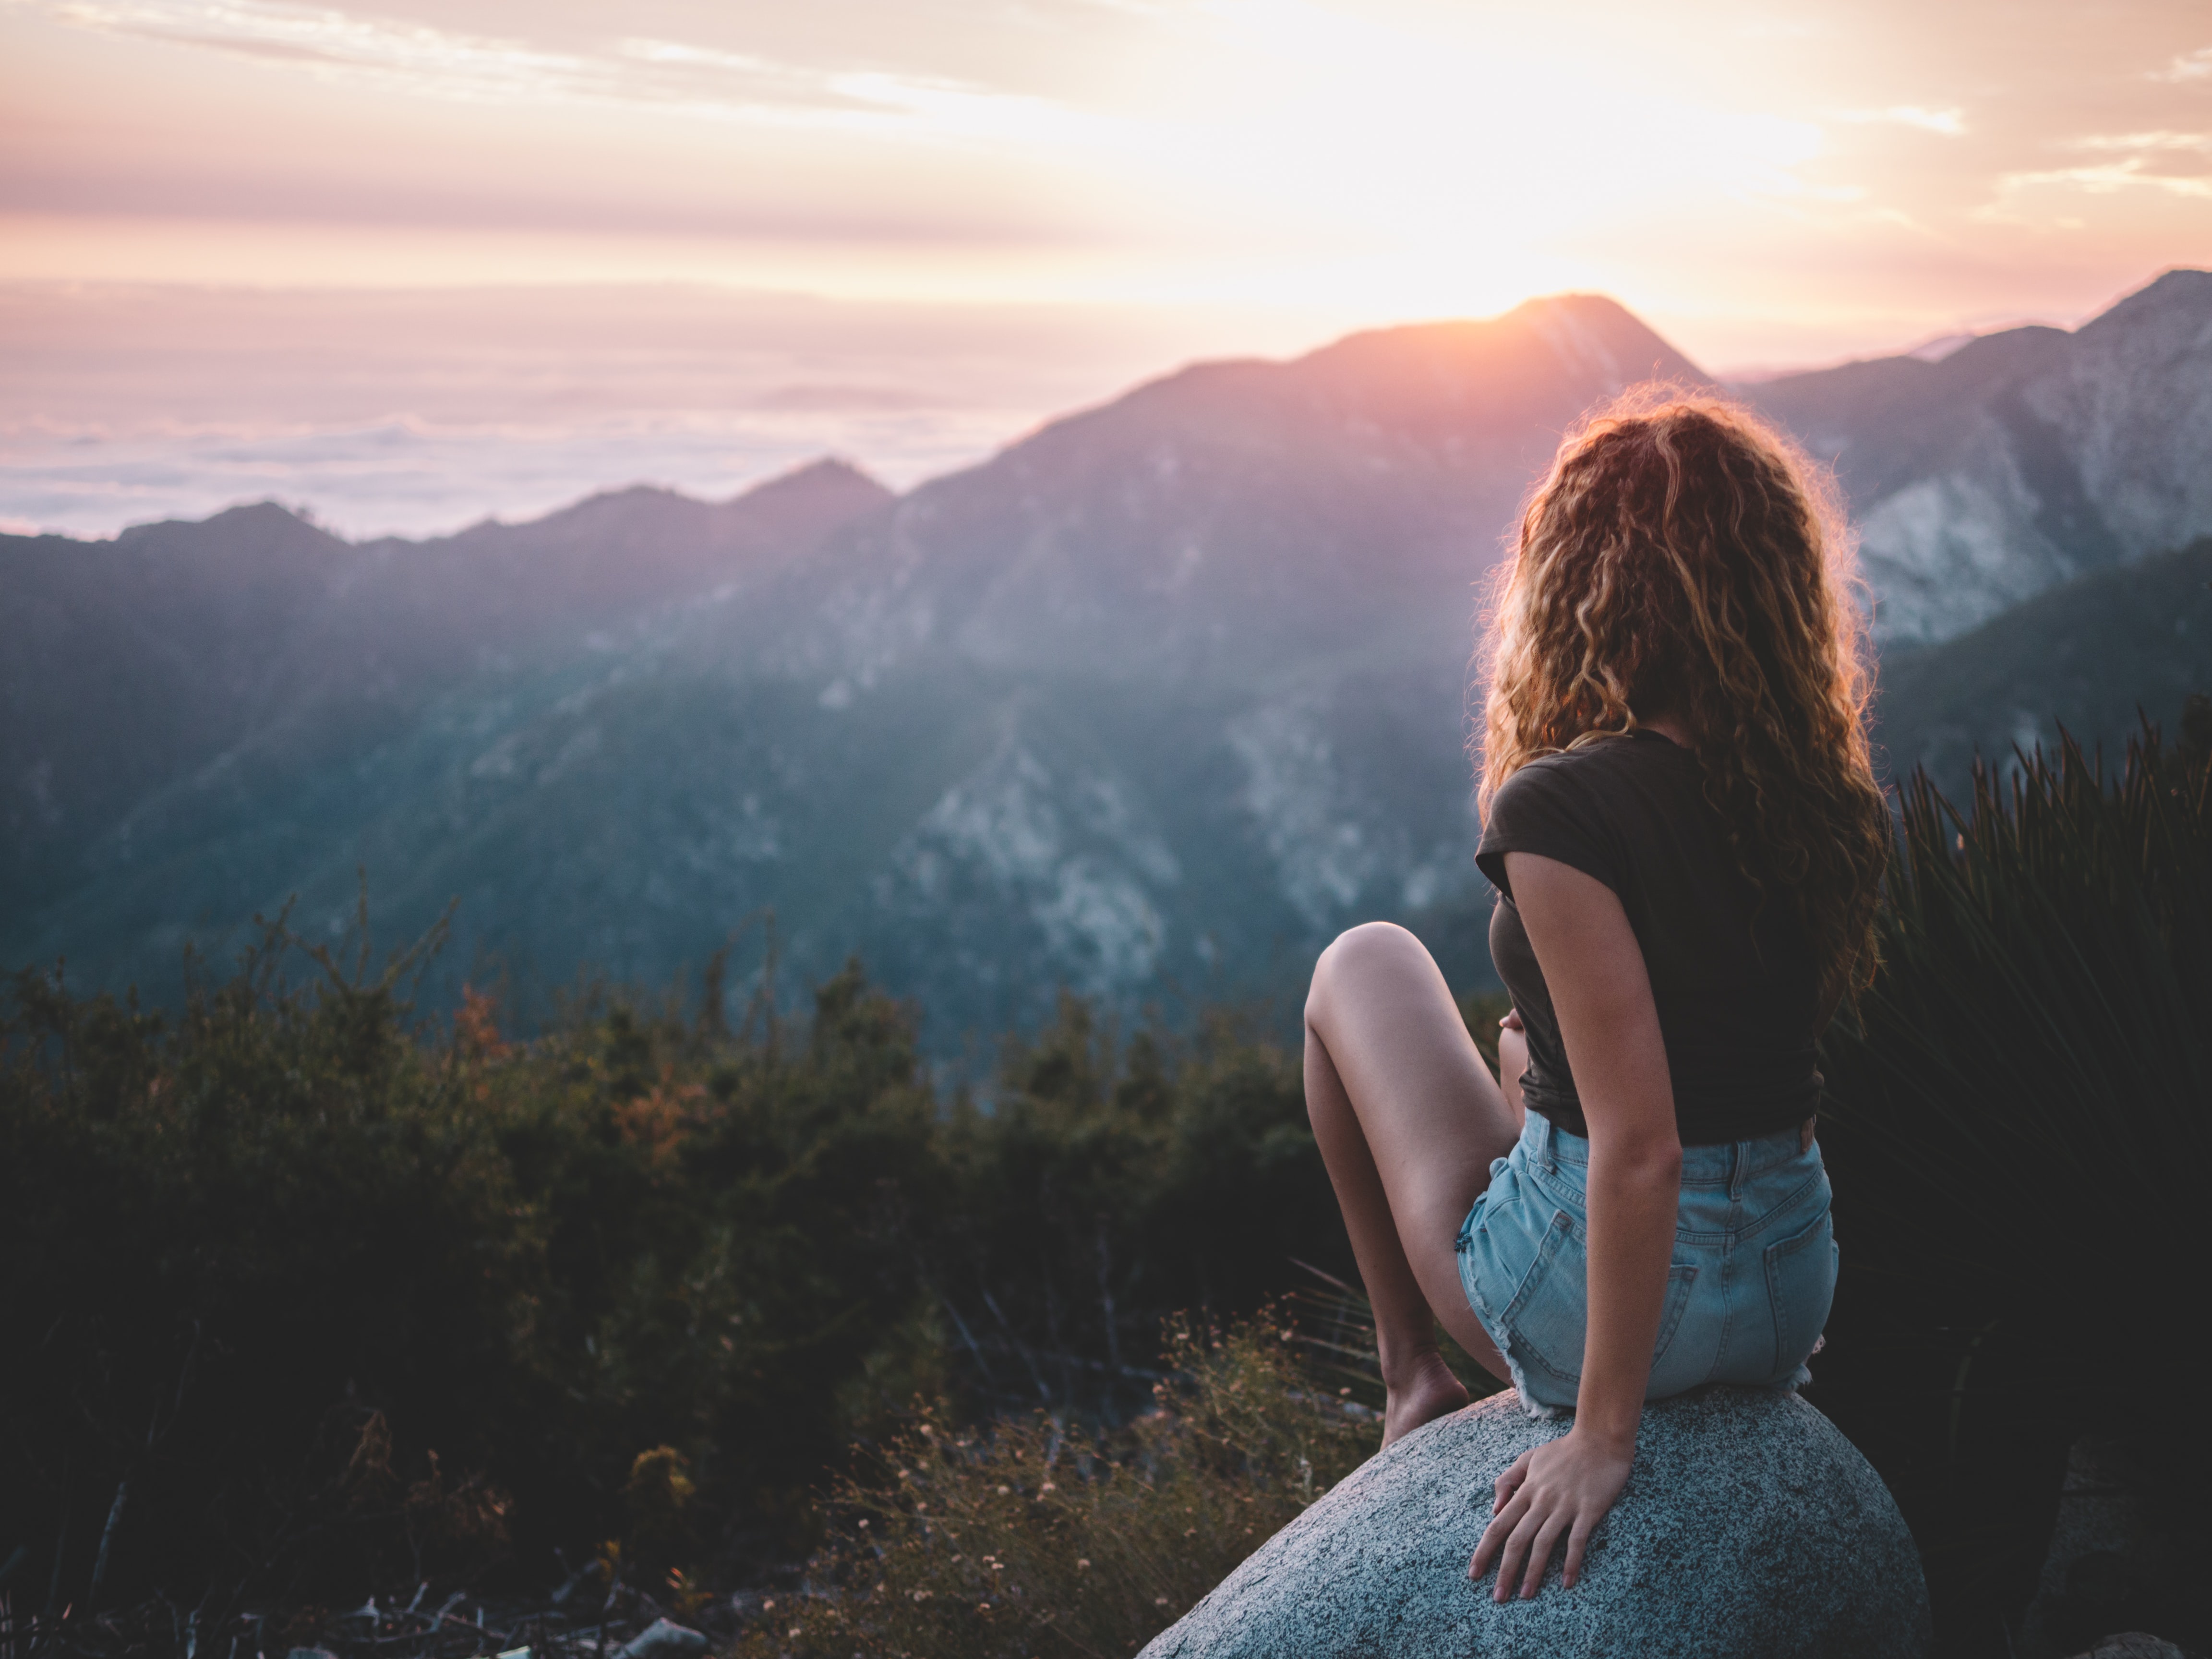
(1753, 1273)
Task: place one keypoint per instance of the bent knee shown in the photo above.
(1356, 954)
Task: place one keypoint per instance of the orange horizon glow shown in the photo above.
(1849, 180)
(410, 263)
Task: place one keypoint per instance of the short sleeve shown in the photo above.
(1543, 809)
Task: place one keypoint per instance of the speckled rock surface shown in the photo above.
(1749, 1528)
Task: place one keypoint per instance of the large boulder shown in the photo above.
(2122, 1554)
(1750, 1528)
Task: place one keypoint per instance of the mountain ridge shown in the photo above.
(250, 627)
(1148, 704)
(2020, 461)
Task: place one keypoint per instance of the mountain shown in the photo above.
(1234, 520)
(1156, 699)
(2023, 460)
(223, 656)
(1148, 705)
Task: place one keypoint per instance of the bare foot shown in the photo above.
(1428, 1391)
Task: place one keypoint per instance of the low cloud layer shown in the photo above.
(419, 411)
(1854, 177)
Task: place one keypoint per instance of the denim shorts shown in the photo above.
(1752, 1273)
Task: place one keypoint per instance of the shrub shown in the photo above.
(228, 1243)
(303, 1291)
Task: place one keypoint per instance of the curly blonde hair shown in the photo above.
(1683, 559)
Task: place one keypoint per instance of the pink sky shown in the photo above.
(999, 208)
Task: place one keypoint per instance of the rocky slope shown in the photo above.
(2023, 461)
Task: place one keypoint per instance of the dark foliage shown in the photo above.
(304, 1295)
(2018, 1127)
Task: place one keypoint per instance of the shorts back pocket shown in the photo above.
(1548, 1320)
(1800, 1285)
(1550, 1312)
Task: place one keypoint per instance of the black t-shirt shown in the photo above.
(1733, 980)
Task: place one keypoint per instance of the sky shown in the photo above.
(415, 263)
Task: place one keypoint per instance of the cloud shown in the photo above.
(678, 51)
(1951, 123)
(2141, 140)
(410, 55)
(2151, 161)
(2133, 172)
(2192, 66)
(666, 76)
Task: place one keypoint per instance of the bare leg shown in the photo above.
(1408, 1119)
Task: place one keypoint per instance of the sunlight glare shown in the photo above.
(1447, 172)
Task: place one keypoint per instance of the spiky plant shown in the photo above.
(2019, 1120)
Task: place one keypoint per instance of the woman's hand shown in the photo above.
(1512, 1060)
(1561, 1489)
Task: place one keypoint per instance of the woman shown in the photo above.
(1683, 827)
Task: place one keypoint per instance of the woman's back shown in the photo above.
(1733, 980)
(1678, 921)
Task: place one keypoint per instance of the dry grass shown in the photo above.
(1023, 1538)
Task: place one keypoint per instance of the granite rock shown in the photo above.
(1749, 1527)
(662, 1639)
(2119, 1558)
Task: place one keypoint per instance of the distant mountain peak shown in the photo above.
(2179, 292)
(823, 470)
(1589, 310)
(1585, 339)
(252, 526)
(830, 478)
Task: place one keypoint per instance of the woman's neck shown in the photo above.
(1670, 728)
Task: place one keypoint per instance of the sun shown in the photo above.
(1347, 161)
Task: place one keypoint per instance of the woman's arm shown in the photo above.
(1602, 996)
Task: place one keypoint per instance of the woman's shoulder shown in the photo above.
(1592, 764)
(1591, 806)
(1554, 806)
